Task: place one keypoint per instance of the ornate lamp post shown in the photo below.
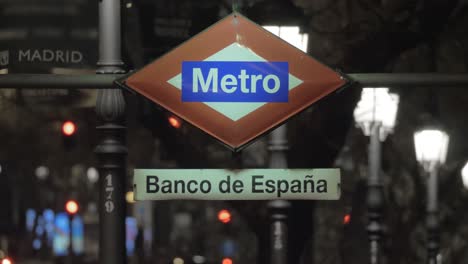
(278, 209)
(431, 144)
(284, 19)
(111, 150)
(376, 115)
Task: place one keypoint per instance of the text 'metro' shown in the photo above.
(229, 81)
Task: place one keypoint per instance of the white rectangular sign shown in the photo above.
(248, 184)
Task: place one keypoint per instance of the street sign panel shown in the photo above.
(248, 184)
(38, 36)
(235, 81)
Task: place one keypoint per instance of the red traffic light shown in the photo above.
(224, 216)
(68, 128)
(71, 207)
(174, 122)
(346, 219)
(227, 261)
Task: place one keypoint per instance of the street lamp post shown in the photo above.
(111, 150)
(431, 144)
(376, 115)
(289, 28)
(278, 209)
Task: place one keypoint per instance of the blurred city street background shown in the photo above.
(49, 181)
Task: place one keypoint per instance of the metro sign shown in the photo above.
(235, 81)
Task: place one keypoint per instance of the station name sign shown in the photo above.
(249, 184)
(233, 81)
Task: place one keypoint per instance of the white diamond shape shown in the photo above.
(234, 52)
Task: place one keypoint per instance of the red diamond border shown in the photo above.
(318, 81)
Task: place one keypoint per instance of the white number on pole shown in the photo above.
(109, 203)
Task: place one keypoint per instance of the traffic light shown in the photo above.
(227, 261)
(174, 121)
(346, 219)
(68, 128)
(71, 207)
(69, 134)
(228, 245)
(224, 216)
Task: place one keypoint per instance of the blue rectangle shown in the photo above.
(240, 81)
(62, 235)
(131, 229)
(77, 235)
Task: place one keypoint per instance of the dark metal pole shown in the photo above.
(88, 81)
(70, 236)
(432, 218)
(278, 208)
(375, 196)
(410, 80)
(58, 81)
(110, 37)
(111, 151)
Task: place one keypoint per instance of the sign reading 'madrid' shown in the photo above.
(251, 184)
(235, 81)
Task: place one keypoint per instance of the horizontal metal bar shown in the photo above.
(100, 81)
(410, 80)
(58, 81)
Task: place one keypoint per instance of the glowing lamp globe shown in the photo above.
(377, 105)
(431, 145)
(464, 174)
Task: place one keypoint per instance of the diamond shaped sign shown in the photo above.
(235, 81)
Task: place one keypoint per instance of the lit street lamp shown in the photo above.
(464, 174)
(375, 114)
(377, 107)
(431, 144)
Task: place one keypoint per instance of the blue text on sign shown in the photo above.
(228, 81)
